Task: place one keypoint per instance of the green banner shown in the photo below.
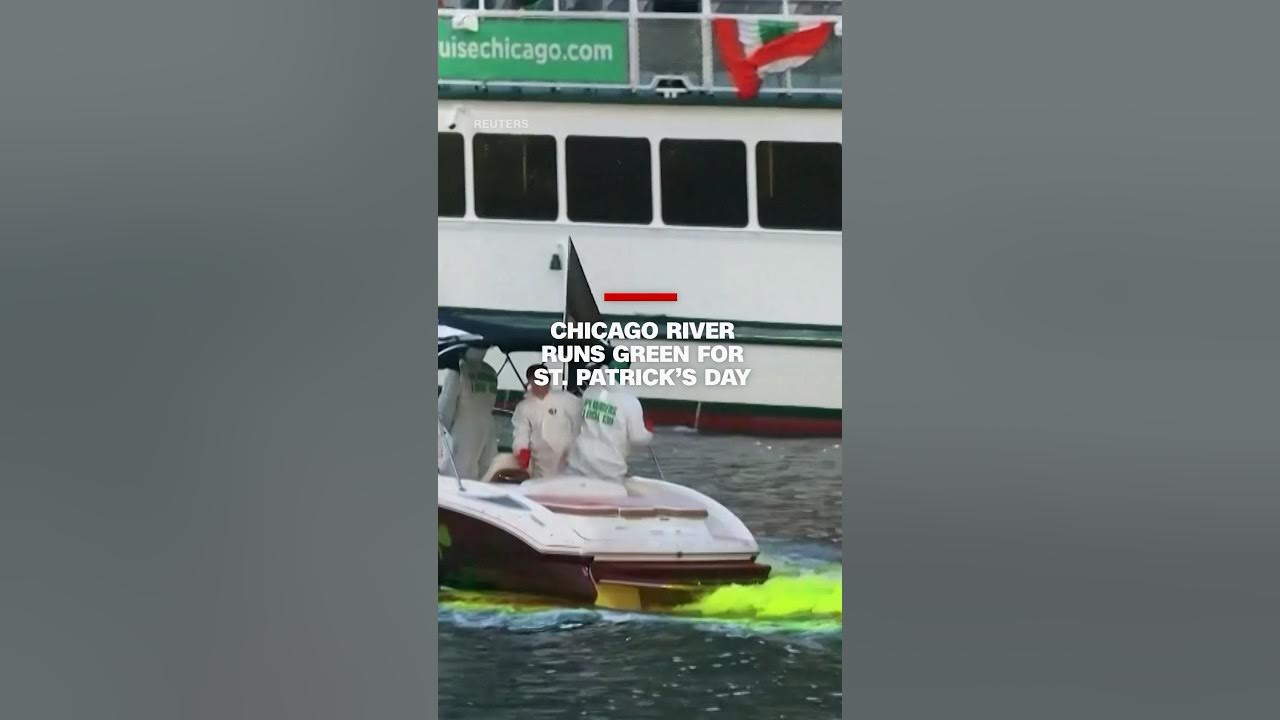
(514, 49)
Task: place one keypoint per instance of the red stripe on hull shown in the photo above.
(769, 426)
(762, 424)
(744, 572)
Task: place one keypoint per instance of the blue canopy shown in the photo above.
(510, 333)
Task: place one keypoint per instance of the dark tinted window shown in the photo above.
(515, 177)
(798, 185)
(609, 180)
(704, 182)
(453, 176)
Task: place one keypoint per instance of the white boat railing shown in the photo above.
(669, 45)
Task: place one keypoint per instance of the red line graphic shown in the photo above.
(639, 297)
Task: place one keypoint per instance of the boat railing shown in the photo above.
(659, 47)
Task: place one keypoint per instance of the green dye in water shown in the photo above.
(817, 595)
(493, 602)
(807, 598)
(807, 603)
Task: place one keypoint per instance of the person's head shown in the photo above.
(615, 364)
(475, 354)
(539, 390)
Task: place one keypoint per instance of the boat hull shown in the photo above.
(476, 555)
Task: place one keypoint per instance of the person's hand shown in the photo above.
(523, 458)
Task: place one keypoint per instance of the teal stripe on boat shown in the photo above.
(745, 332)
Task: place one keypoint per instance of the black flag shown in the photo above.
(579, 306)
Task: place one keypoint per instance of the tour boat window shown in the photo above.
(798, 185)
(453, 176)
(704, 182)
(609, 180)
(515, 177)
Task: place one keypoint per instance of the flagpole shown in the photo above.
(568, 270)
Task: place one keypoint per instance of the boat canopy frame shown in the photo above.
(509, 334)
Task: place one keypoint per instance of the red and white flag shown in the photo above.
(751, 47)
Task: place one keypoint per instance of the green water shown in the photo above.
(805, 596)
(767, 651)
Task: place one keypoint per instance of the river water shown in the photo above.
(499, 661)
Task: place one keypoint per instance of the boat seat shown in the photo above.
(627, 507)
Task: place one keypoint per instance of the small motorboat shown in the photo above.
(637, 544)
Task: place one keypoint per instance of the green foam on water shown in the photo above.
(493, 602)
(816, 595)
(523, 608)
(800, 599)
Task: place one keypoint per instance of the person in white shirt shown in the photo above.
(612, 424)
(466, 413)
(544, 426)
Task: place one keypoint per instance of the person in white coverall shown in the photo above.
(443, 451)
(466, 412)
(544, 425)
(612, 424)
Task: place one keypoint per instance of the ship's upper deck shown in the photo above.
(638, 50)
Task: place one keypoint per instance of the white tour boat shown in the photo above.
(625, 127)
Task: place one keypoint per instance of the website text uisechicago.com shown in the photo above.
(539, 52)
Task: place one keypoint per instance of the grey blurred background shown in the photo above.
(1062, 245)
(216, 292)
(216, 284)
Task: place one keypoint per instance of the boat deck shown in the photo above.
(625, 507)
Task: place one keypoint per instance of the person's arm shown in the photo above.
(637, 433)
(447, 404)
(522, 433)
(489, 449)
(521, 426)
(575, 413)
